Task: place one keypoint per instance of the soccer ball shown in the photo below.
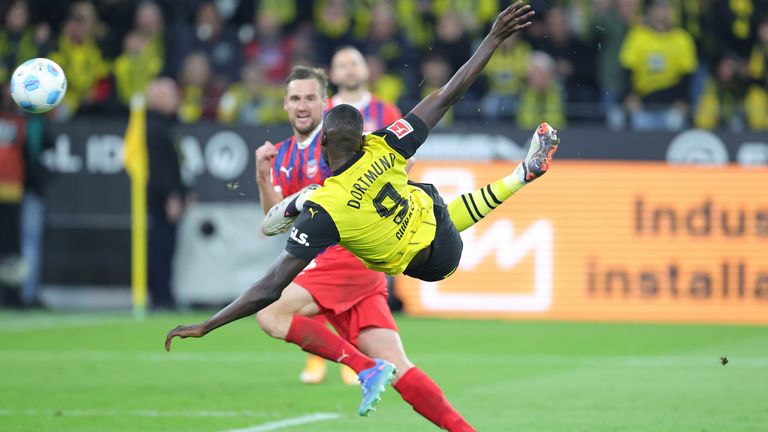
(38, 85)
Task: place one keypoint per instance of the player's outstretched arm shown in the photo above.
(514, 18)
(263, 293)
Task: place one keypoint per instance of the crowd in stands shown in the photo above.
(638, 64)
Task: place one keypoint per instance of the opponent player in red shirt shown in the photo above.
(336, 284)
(349, 73)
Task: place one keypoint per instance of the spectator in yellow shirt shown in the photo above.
(659, 61)
(435, 72)
(252, 100)
(135, 67)
(542, 96)
(506, 73)
(386, 86)
(722, 102)
(19, 41)
(80, 56)
(198, 93)
(757, 94)
(475, 14)
(148, 21)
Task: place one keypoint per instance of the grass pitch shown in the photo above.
(110, 373)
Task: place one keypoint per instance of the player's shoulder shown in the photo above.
(404, 135)
(320, 206)
(401, 128)
(284, 143)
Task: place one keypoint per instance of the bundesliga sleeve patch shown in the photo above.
(400, 128)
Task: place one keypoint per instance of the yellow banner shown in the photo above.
(623, 241)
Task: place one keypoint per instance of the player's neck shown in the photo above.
(302, 139)
(340, 160)
(357, 97)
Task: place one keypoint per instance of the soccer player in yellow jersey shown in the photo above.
(369, 207)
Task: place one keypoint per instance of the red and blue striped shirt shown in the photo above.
(295, 168)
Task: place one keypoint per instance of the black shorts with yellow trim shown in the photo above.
(447, 246)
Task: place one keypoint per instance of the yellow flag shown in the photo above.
(135, 157)
(136, 163)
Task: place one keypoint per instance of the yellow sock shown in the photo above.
(468, 209)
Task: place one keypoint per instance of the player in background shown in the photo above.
(349, 73)
(426, 246)
(337, 285)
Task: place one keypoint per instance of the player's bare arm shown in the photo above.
(513, 19)
(267, 194)
(263, 293)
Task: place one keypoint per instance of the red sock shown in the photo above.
(315, 338)
(426, 398)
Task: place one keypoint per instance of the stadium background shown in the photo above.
(656, 211)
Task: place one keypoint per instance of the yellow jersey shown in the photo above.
(657, 60)
(369, 207)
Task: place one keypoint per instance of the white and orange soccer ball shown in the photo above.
(38, 85)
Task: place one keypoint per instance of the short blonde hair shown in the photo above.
(306, 72)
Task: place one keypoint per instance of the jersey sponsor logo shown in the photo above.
(300, 238)
(287, 171)
(312, 168)
(400, 128)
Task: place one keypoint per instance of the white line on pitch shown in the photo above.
(289, 422)
(133, 413)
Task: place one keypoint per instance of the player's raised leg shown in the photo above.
(469, 208)
(415, 386)
(288, 319)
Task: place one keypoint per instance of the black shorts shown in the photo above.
(446, 247)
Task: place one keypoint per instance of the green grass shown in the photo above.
(110, 373)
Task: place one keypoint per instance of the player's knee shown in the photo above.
(267, 322)
(274, 321)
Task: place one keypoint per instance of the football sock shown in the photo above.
(315, 338)
(469, 208)
(322, 320)
(426, 398)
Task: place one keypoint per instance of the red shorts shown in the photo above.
(372, 311)
(338, 280)
(349, 294)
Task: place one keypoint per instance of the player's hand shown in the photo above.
(513, 19)
(264, 157)
(193, 330)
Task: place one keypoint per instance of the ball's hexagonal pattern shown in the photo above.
(38, 85)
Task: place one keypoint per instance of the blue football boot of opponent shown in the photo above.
(374, 381)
